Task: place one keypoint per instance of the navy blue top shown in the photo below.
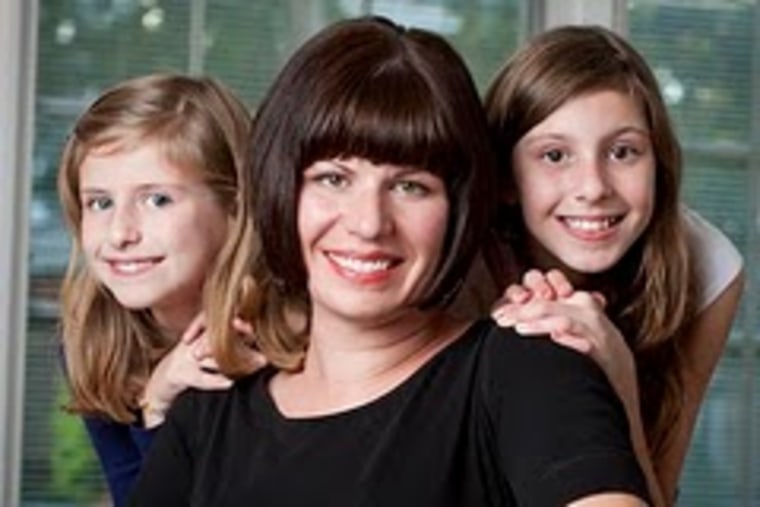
(121, 449)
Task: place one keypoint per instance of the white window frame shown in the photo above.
(18, 62)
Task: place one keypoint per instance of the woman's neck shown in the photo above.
(348, 364)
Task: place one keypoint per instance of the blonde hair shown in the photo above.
(110, 350)
(651, 290)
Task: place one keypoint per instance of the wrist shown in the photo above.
(153, 413)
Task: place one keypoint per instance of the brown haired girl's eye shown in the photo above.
(554, 156)
(623, 152)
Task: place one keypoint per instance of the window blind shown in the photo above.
(705, 54)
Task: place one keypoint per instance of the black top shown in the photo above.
(493, 419)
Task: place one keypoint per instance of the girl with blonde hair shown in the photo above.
(148, 182)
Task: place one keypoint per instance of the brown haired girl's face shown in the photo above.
(585, 178)
(150, 230)
(371, 236)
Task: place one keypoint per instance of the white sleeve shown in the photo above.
(717, 260)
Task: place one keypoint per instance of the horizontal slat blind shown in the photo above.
(706, 56)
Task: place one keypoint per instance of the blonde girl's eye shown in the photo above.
(97, 203)
(158, 199)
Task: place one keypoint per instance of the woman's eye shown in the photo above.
(333, 180)
(98, 203)
(158, 200)
(411, 188)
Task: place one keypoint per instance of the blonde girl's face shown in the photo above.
(585, 180)
(149, 230)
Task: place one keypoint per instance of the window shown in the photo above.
(705, 53)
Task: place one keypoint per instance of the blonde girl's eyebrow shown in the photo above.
(90, 191)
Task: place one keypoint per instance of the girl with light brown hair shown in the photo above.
(591, 168)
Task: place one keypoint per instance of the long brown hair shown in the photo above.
(364, 88)
(651, 290)
(110, 350)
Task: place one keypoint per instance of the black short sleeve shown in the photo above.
(560, 429)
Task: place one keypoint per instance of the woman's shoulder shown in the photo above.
(508, 358)
(197, 407)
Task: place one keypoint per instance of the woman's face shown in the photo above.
(371, 236)
(585, 179)
(150, 231)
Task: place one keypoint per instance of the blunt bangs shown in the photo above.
(386, 117)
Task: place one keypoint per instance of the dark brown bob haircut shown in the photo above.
(369, 88)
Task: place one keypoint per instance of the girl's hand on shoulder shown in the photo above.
(190, 363)
(547, 304)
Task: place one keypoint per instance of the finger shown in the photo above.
(195, 329)
(562, 286)
(584, 300)
(503, 318)
(243, 327)
(516, 293)
(533, 310)
(599, 298)
(508, 314)
(536, 282)
(536, 326)
(201, 347)
(552, 324)
(208, 364)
